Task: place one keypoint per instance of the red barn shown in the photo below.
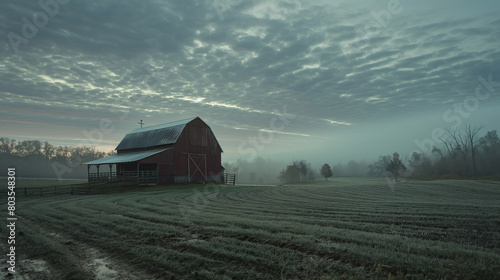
(184, 151)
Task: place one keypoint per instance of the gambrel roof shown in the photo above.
(157, 135)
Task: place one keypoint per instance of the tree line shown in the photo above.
(35, 158)
(462, 153)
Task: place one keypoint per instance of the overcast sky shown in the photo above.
(325, 81)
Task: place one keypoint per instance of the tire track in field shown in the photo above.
(88, 259)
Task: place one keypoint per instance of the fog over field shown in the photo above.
(257, 139)
(325, 81)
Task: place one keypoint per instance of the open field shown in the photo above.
(341, 229)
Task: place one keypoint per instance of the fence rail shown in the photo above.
(41, 191)
(229, 179)
(104, 187)
(80, 190)
(146, 176)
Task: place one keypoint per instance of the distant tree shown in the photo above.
(291, 174)
(420, 163)
(396, 167)
(61, 153)
(462, 147)
(296, 172)
(490, 153)
(379, 168)
(303, 168)
(326, 171)
(491, 141)
(48, 150)
(7, 145)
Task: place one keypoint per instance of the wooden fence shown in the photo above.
(95, 188)
(41, 191)
(143, 176)
(229, 179)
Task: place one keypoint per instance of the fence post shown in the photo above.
(41, 192)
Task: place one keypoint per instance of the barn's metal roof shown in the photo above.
(157, 135)
(128, 157)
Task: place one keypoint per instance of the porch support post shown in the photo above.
(138, 176)
(157, 173)
(189, 172)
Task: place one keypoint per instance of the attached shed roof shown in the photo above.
(157, 135)
(127, 157)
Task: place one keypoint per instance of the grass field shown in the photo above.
(341, 229)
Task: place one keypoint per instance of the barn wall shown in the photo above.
(163, 157)
(165, 165)
(214, 168)
(206, 143)
(197, 138)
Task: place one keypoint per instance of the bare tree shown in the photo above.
(458, 148)
(437, 151)
(451, 149)
(473, 143)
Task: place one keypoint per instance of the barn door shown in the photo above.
(197, 168)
